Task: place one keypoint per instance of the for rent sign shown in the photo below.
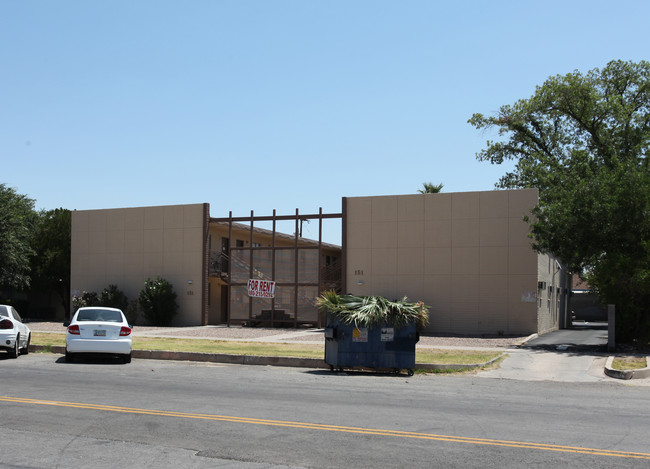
(261, 288)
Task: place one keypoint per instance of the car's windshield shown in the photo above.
(106, 315)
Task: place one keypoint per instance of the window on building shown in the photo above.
(330, 260)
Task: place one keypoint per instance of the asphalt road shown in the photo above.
(169, 414)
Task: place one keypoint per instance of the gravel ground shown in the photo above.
(286, 335)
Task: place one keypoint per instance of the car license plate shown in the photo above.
(99, 332)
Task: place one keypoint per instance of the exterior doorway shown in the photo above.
(299, 269)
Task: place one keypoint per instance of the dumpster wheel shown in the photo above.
(410, 371)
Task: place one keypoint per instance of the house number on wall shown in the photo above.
(190, 292)
(358, 272)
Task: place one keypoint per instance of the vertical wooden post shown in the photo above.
(229, 310)
(273, 271)
(295, 274)
(611, 328)
(319, 323)
(250, 268)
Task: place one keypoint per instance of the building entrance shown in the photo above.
(294, 270)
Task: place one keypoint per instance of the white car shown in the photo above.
(98, 329)
(14, 335)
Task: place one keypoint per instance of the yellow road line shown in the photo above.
(334, 428)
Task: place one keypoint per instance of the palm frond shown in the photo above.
(373, 311)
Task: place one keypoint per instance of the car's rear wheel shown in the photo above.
(25, 350)
(16, 350)
(68, 357)
(126, 358)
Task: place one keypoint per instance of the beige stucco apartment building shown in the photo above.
(466, 255)
(126, 246)
(208, 261)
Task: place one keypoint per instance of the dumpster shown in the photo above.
(371, 331)
(380, 347)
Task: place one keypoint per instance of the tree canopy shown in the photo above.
(50, 264)
(582, 140)
(34, 251)
(17, 220)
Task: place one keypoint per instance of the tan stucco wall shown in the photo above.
(126, 246)
(548, 298)
(467, 255)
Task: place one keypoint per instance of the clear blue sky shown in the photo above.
(276, 104)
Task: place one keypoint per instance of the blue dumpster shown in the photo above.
(381, 347)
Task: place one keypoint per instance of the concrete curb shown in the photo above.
(526, 339)
(208, 357)
(318, 363)
(42, 348)
(231, 359)
(626, 374)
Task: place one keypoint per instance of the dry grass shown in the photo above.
(264, 349)
(629, 363)
(267, 349)
(454, 357)
(205, 346)
(48, 339)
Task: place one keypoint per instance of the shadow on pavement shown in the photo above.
(582, 337)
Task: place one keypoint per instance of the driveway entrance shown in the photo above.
(577, 354)
(582, 336)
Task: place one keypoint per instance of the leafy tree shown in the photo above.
(430, 188)
(17, 219)
(158, 301)
(582, 140)
(50, 263)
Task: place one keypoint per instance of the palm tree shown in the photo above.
(429, 188)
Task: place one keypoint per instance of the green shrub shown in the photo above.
(113, 297)
(158, 302)
(87, 298)
(132, 312)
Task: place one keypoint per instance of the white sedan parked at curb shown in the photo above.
(98, 329)
(14, 335)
